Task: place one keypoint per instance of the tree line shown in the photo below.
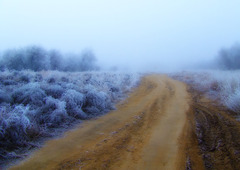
(229, 58)
(36, 58)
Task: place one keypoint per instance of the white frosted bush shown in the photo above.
(5, 97)
(74, 102)
(52, 113)
(55, 91)
(97, 102)
(222, 85)
(13, 126)
(29, 94)
(233, 101)
(34, 105)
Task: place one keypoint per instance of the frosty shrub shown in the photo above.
(5, 97)
(74, 103)
(97, 102)
(24, 78)
(54, 90)
(52, 113)
(35, 105)
(221, 85)
(13, 125)
(29, 94)
(233, 101)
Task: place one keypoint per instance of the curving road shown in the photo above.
(147, 131)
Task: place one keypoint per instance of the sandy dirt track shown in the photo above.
(147, 131)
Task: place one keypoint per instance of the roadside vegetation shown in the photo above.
(215, 121)
(42, 95)
(223, 86)
(221, 83)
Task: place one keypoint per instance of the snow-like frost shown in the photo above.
(97, 102)
(29, 94)
(52, 113)
(34, 105)
(5, 97)
(221, 85)
(74, 102)
(54, 90)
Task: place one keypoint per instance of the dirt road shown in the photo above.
(147, 131)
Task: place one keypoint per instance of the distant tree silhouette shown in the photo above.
(36, 58)
(88, 61)
(55, 60)
(14, 60)
(229, 59)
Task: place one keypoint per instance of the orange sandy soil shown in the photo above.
(162, 125)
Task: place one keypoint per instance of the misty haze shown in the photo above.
(119, 84)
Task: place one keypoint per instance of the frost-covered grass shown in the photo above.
(221, 85)
(34, 105)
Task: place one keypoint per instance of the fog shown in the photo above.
(138, 35)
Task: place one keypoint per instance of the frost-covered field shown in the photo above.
(34, 105)
(222, 85)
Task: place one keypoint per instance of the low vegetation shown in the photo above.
(36, 105)
(223, 86)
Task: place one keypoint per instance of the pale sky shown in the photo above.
(137, 34)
